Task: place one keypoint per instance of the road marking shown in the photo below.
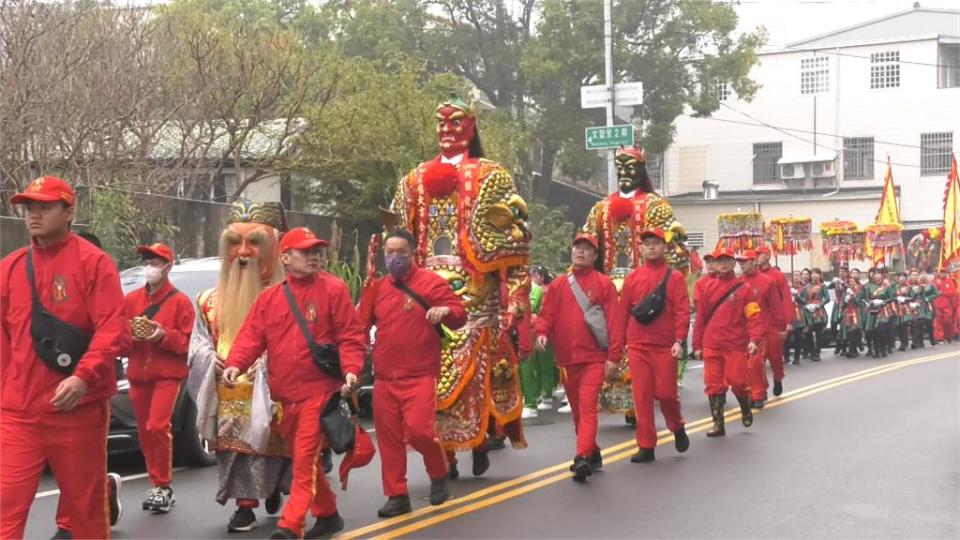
(53, 492)
(515, 487)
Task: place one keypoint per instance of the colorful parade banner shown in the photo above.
(790, 235)
(950, 249)
(883, 237)
(740, 231)
(843, 241)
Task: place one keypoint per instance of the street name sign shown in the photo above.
(598, 95)
(599, 138)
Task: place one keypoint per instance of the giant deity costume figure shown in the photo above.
(617, 221)
(249, 263)
(470, 226)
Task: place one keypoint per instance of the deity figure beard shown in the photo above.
(248, 265)
(632, 175)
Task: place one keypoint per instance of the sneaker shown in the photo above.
(116, 507)
(151, 497)
(62, 534)
(162, 500)
(581, 469)
(325, 527)
(644, 455)
(529, 412)
(395, 506)
(560, 393)
(546, 404)
(439, 493)
(274, 502)
(680, 440)
(282, 533)
(244, 520)
(565, 407)
(777, 388)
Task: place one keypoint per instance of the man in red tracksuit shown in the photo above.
(51, 417)
(781, 324)
(727, 330)
(945, 307)
(562, 322)
(158, 365)
(406, 364)
(653, 348)
(770, 309)
(296, 382)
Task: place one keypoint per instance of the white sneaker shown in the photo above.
(559, 392)
(529, 412)
(565, 407)
(680, 383)
(546, 404)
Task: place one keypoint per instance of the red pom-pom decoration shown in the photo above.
(440, 179)
(620, 209)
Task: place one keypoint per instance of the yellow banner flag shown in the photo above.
(889, 213)
(950, 249)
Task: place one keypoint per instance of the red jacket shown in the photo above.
(79, 284)
(785, 314)
(698, 288)
(270, 326)
(768, 298)
(166, 359)
(672, 324)
(734, 323)
(407, 345)
(561, 319)
(948, 293)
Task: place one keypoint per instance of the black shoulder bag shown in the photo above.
(337, 422)
(706, 320)
(153, 309)
(59, 344)
(419, 300)
(650, 307)
(325, 356)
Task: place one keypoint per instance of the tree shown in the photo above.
(552, 235)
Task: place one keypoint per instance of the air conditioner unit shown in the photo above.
(793, 171)
(823, 169)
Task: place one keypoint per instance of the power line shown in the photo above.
(834, 135)
(865, 57)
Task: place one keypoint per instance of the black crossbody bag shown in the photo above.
(723, 299)
(59, 344)
(650, 307)
(153, 309)
(419, 300)
(325, 356)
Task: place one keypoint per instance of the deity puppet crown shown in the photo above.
(457, 103)
(266, 213)
(631, 151)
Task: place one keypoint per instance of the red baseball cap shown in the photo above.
(300, 238)
(361, 455)
(46, 189)
(160, 250)
(586, 237)
(763, 249)
(658, 232)
(747, 255)
(723, 252)
(709, 256)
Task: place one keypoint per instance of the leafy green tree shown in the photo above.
(552, 233)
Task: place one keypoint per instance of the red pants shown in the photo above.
(583, 385)
(723, 369)
(757, 370)
(309, 489)
(943, 324)
(74, 445)
(153, 405)
(404, 412)
(653, 376)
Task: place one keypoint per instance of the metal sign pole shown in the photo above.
(608, 65)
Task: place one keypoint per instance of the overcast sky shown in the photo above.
(791, 20)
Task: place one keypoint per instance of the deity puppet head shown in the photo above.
(457, 128)
(632, 170)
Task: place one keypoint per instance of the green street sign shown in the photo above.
(599, 138)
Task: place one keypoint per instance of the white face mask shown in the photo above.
(152, 274)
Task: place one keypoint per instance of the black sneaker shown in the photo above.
(680, 440)
(62, 534)
(327, 455)
(116, 507)
(395, 506)
(244, 520)
(481, 462)
(777, 388)
(161, 500)
(596, 460)
(283, 533)
(581, 469)
(325, 527)
(274, 502)
(439, 493)
(645, 455)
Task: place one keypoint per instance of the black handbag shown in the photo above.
(337, 422)
(59, 344)
(648, 309)
(325, 356)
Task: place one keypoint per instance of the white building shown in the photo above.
(815, 139)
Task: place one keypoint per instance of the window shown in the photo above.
(765, 157)
(885, 69)
(858, 158)
(723, 90)
(935, 149)
(694, 239)
(815, 75)
(655, 171)
(949, 66)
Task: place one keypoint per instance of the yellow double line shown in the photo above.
(515, 487)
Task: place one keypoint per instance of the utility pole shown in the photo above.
(608, 65)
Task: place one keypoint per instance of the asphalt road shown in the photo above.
(855, 448)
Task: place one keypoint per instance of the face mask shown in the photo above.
(152, 274)
(397, 265)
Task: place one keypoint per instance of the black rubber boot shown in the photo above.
(395, 506)
(481, 462)
(746, 415)
(716, 411)
(644, 455)
(327, 526)
(581, 469)
(596, 460)
(439, 493)
(680, 440)
(777, 388)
